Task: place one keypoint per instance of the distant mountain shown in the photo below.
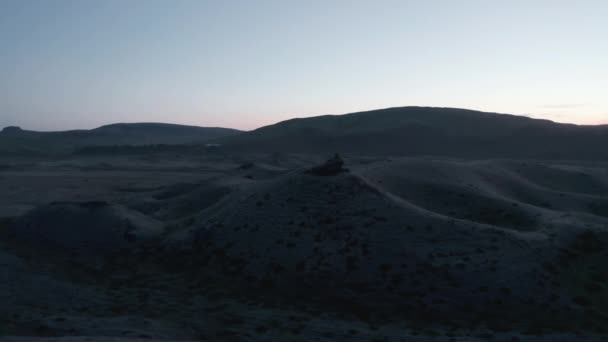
(156, 133)
(428, 131)
(15, 141)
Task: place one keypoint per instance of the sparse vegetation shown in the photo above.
(289, 254)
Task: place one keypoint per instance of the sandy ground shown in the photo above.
(253, 248)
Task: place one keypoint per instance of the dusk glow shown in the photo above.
(245, 64)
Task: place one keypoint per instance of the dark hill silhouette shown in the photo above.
(15, 141)
(428, 131)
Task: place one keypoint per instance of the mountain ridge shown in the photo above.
(408, 131)
(16, 141)
(397, 131)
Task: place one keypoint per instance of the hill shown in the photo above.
(422, 239)
(15, 141)
(288, 249)
(409, 131)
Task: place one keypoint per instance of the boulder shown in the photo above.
(331, 167)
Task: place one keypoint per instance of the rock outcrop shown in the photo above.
(331, 167)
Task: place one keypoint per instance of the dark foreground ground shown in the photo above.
(255, 248)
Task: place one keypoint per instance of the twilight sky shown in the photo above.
(81, 63)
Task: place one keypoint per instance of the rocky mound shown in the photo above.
(331, 167)
(346, 242)
(86, 227)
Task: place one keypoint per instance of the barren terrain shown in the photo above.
(257, 248)
(259, 236)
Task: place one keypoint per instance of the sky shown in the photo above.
(67, 64)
